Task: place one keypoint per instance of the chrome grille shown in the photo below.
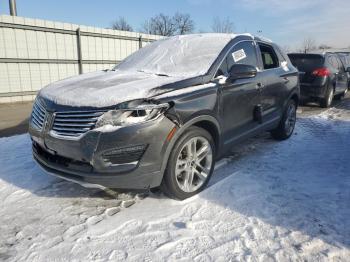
(75, 124)
(38, 115)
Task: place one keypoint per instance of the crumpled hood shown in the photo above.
(105, 88)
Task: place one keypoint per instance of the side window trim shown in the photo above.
(261, 61)
(229, 51)
(280, 53)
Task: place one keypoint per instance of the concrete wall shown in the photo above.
(34, 53)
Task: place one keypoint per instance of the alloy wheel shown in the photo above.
(291, 119)
(193, 164)
(330, 97)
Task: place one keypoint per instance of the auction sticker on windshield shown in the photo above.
(239, 55)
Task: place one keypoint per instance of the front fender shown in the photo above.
(181, 129)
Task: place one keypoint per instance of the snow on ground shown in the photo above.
(285, 201)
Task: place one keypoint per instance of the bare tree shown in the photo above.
(308, 45)
(165, 25)
(223, 26)
(122, 24)
(324, 47)
(162, 25)
(146, 27)
(183, 23)
(286, 49)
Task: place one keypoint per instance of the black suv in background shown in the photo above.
(166, 113)
(322, 76)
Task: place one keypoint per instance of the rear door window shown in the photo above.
(306, 62)
(333, 62)
(345, 59)
(340, 64)
(268, 56)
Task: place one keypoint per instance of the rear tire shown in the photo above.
(328, 99)
(340, 96)
(286, 126)
(343, 94)
(190, 165)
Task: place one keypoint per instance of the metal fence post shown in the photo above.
(13, 8)
(140, 42)
(80, 59)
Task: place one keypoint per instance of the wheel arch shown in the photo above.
(296, 98)
(207, 122)
(212, 129)
(294, 95)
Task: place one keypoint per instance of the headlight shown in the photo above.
(132, 115)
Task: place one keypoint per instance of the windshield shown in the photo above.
(185, 56)
(306, 62)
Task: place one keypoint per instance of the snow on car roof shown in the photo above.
(161, 63)
(182, 55)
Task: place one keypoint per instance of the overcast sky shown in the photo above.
(287, 22)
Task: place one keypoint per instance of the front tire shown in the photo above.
(286, 126)
(190, 165)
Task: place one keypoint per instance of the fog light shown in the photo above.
(124, 155)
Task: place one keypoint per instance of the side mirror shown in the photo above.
(239, 71)
(347, 69)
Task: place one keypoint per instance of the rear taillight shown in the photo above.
(321, 72)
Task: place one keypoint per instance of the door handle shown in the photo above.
(259, 86)
(286, 80)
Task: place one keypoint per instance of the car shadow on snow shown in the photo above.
(20, 128)
(310, 108)
(301, 184)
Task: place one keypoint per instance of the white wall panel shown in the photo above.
(4, 80)
(45, 74)
(25, 74)
(19, 43)
(35, 76)
(32, 44)
(10, 43)
(42, 45)
(99, 48)
(61, 46)
(51, 45)
(85, 49)
(14, 77)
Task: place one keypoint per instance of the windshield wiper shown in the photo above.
(162, 75)
(157, 74)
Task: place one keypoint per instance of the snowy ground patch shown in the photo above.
(270, 201)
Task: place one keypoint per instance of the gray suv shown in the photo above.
(166, 113)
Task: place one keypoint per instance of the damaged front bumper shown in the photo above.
(129, 157)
